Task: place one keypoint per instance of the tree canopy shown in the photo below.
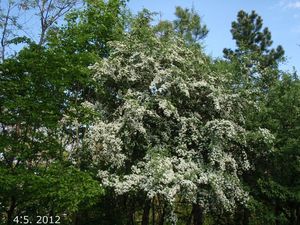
(110, 118)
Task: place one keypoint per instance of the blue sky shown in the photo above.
(281, 16)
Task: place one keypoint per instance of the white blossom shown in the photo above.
(176, 131)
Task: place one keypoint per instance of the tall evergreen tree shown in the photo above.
(188, 25)
(273, 183)
(254, 55)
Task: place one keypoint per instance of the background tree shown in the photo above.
(188, 25)
(89, 28)
(33, 143)
(49, 12)
(41, 94)
(279, 186)
(254, 57)
(10, 24)
(12, 16)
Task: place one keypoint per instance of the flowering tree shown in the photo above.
(168, 129)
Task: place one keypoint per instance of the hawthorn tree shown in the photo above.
(174, 134)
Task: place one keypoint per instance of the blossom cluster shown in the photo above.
(175, 131)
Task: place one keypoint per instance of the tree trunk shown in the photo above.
(162, 216)
(4, 32)
(298, 215)
(43, 32)
(293, 216)
(153, 211)
(189, 219)
(75, 219)
(145, 219)
(238, 215)
(10, 211)
(130, 213)
(277, 214)
(131, 220)
(246, 216)
(197, 215)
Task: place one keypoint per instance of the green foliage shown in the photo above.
(59, 188)
(33, 102)
(253, 56)
(89, 29)
(250, 37)
(187, 25)
(281, 115)
(119, 121)
(273, 184)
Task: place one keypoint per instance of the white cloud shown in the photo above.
(289, 4)
(294, 5)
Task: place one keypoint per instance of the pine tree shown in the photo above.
(254, 55)
(188, 25)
